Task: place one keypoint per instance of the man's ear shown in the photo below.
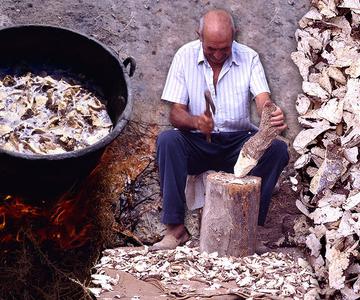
(236, 34)
(199, 34)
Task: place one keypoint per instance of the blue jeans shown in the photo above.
(182, 153)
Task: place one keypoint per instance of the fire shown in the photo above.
(66, 224)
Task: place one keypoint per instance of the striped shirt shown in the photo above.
(242, 73)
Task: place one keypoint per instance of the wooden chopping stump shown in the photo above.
(230, 215)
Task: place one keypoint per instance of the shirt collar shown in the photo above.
(234, 57)
(201, 57)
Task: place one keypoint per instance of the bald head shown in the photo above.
(217, 32)
(216, 23)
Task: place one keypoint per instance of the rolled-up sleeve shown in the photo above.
(258, 82)
(175, 89)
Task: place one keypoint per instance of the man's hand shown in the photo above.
(278, 119)
(205, 123)
(180, 118)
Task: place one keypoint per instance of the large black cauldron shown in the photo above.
(35, 48)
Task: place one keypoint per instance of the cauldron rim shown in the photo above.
(124, 117)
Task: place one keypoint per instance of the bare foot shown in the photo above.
(176, 230)
(176, 235)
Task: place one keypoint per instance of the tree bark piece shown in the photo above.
(255, 147)
(230, 215)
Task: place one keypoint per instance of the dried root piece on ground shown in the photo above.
(302, 104)
(352, 96)
(302, 62)
(307, 136)
(255, 147)
(312, 15)
(354, 70)
(329, 113)
(338, 262)
(314, 89)
(332, 111)
(308, 43)
(330, 171)
(336, 74)
(327, 8)
(351, 137)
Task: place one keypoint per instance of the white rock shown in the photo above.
(329, 137)
(320, 66)
(355, 222)
(319, 230)
(324, 36)
(309, 119)
(319, 266)
(95, 291)
(313, 294)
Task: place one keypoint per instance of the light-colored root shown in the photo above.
(255, 147)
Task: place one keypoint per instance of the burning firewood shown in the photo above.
(328, 60)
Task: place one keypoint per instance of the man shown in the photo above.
(229, 71)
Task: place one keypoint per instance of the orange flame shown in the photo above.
(66, 224)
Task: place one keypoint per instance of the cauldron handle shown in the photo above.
(130, 60)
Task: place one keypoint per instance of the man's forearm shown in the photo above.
(181, 119)
(260, 100)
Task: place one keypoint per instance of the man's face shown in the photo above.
(217, 48)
